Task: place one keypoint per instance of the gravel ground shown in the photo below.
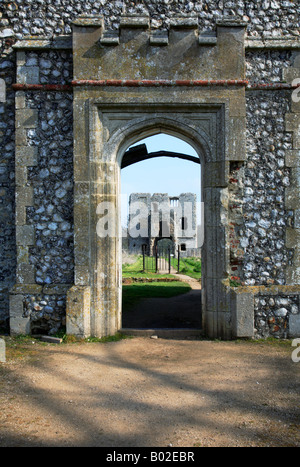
(144, 392)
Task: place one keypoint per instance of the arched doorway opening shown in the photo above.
(161, 216)
(168, 244)
(94, 305)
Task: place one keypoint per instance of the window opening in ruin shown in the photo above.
(184, 223)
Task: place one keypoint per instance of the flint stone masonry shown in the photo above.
(249, 150)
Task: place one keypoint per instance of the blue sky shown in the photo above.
(162, 174)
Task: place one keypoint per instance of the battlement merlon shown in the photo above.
(140, 52)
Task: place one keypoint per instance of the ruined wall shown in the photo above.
(159, 209)
(261, 250)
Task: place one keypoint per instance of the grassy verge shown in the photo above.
(188, 266)
(26, 347)
(133, 293)
(136, 270)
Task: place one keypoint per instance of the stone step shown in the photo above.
(165, 333)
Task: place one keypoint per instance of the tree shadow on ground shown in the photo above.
(123, 394)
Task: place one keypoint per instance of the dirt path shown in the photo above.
(194, 283)
(151, 392)
(182, 311)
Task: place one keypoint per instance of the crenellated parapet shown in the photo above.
(137, 51)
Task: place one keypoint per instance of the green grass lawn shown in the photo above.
(136, 270)
(133, 293)
(189, 266)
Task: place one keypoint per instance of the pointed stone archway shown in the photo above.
(112, 114)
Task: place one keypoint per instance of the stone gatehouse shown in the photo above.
(157, 217)
(82, 82)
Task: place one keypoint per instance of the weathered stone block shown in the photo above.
(28, 74)
(292, 121)
(25, 273)
(26, 155)
(292, 158)
(26, 118)
(20, 100)
(294, 326)
(18, 323)
(237, 139)
(297, 218)
(242, 307)
(2, 351)
(293, 272)
(21, 215)
(25, 235)
(78, 311)
(289, 74)
(292, 197)
(20, 136)
(292, 238)
(22, 254)
(21, 176)
(24, 196)
(218, 325)
(21, 58)
(51, 339)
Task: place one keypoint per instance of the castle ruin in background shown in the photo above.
(157, 217)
